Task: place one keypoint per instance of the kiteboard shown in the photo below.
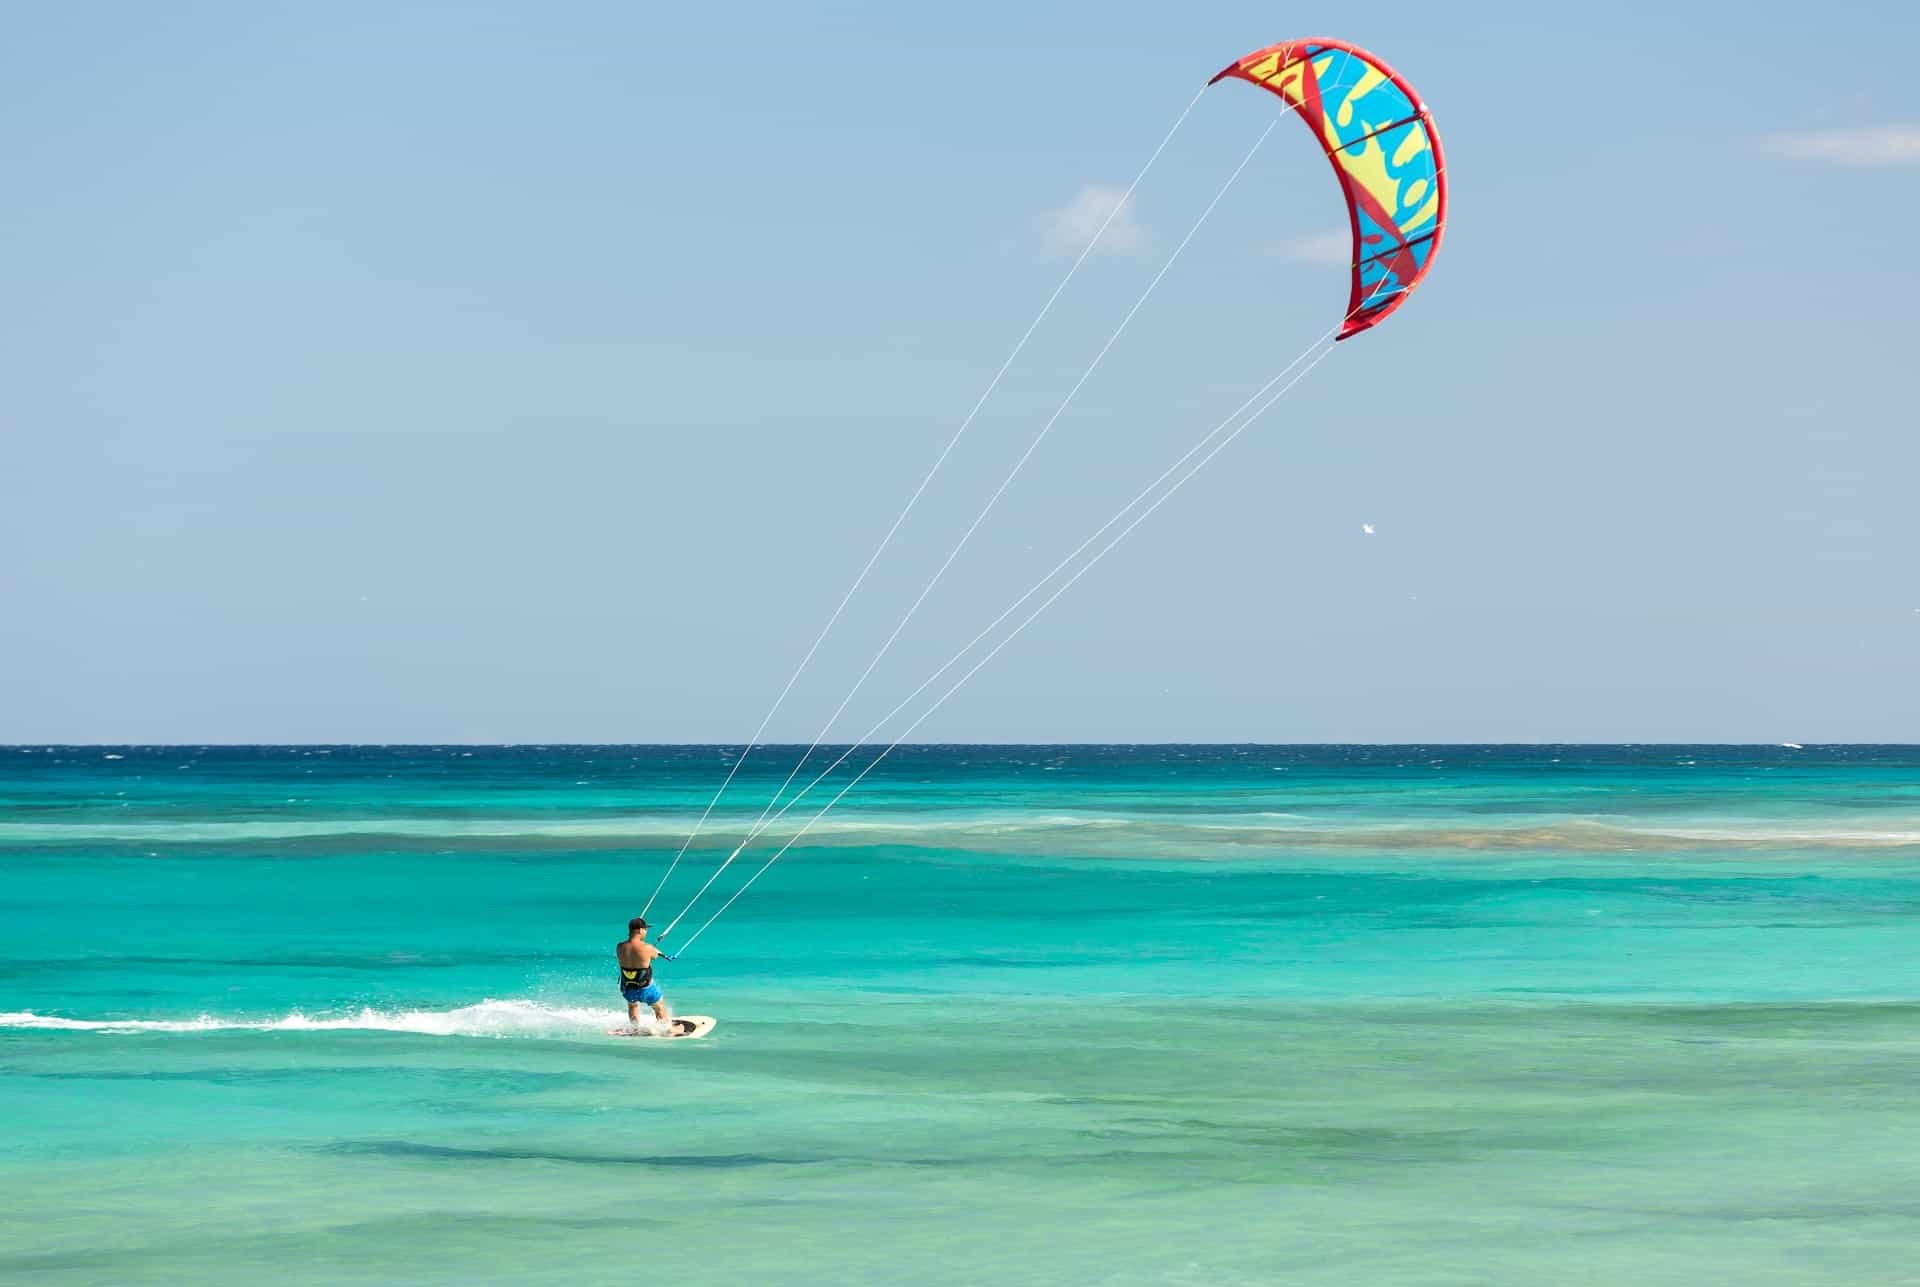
(681, 1025)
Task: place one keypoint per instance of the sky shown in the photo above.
(499, 372)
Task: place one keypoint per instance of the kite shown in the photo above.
(1381, 141)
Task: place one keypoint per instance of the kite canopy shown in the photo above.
(1380, 138)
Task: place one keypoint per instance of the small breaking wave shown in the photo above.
(636, 831)
(1184, 834)
(487, 1019)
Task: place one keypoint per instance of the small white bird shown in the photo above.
(1367, 528)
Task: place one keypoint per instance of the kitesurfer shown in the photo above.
(636, 957)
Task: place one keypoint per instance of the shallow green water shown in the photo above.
(1030, 1014)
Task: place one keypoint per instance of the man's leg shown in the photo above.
(633, 1014)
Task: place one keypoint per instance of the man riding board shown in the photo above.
(636, 957)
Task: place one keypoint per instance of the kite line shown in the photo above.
(980, 518)
(995, 650)
(1196, 467)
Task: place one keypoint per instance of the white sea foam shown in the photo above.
(1016, 831)
(487, 1019)
(633, 829)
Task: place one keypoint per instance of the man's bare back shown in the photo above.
(636, 957)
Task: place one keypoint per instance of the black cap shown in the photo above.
(637, 923)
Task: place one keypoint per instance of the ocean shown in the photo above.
(1041, 1014)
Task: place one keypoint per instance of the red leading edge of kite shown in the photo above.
(1359, 318)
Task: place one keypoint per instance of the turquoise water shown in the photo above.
(1040, 1014)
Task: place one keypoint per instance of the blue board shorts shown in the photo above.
(649, 995)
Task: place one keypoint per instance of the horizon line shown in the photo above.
(771, 746)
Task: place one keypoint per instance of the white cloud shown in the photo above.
(1078, 222)
(1323, 248)
(1868, 145)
